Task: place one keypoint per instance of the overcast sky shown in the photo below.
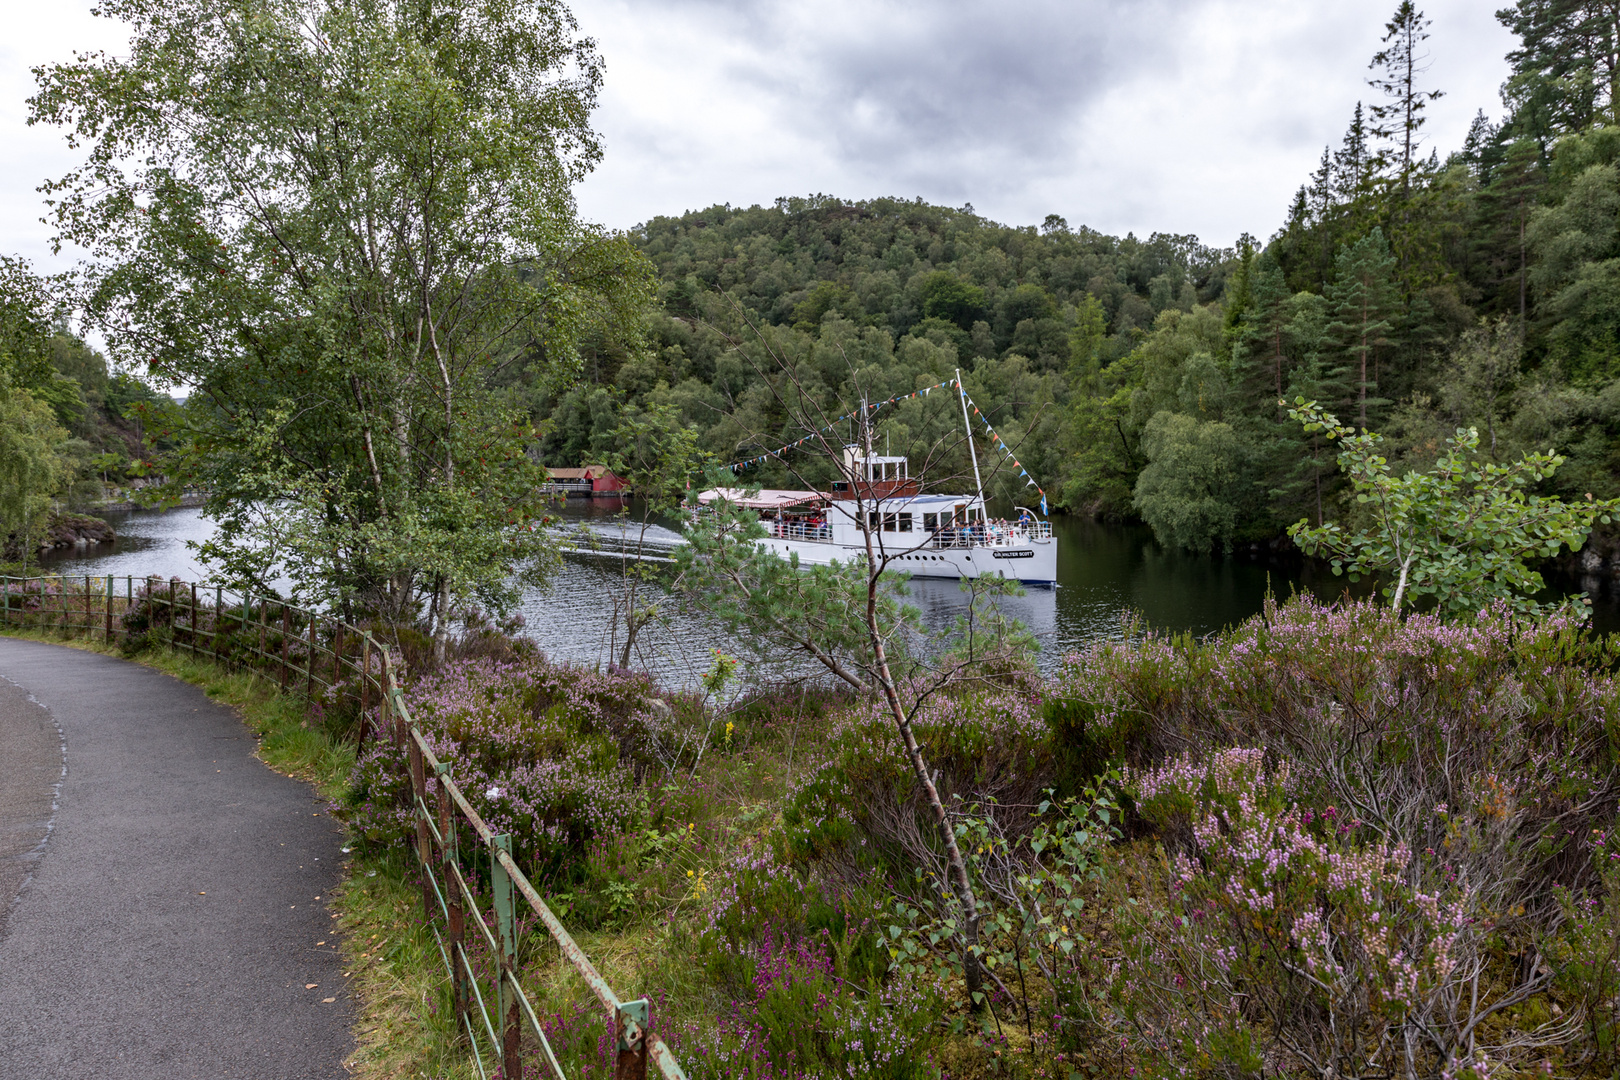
(1186, 116)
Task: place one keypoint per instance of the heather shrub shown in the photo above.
(1497, 740)
(1300, 938)
(994, 749)
(811, 1004)
(545, 753)
(1586, 956)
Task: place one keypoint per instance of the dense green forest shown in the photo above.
(71, 428)
(1412, 291)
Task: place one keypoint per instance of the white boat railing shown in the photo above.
(969, 536)
(965, 536)
(791, 530)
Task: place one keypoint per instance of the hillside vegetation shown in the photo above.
(1410, 290)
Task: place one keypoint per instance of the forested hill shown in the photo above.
(901, 285)
(909, 267)
(1412, 292)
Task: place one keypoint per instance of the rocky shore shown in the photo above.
(66, 531)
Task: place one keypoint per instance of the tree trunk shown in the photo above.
(1522, 267)
(441, 629)
(1400, 585)
(972, 972)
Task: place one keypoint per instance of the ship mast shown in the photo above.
(967, 426)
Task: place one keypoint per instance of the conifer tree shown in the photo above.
(1364, 305)
(1401, 63)
(1307, 467)
(1502, 247)
(1265, 332)
(1566, 71)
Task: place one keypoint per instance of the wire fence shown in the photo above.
(309, 652)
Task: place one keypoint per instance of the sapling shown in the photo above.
(849, 616)
(1461, 532)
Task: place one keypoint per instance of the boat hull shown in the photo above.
(1029, 562)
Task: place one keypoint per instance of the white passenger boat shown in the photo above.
(928, 536)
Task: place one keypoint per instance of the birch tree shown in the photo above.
(1464, 532)
(340, 222)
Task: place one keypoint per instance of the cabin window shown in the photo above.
(930, 522)
(905, 522)
(872, 520)
(889, 522)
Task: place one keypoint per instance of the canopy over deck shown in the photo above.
(765, 499)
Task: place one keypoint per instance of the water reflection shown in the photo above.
(1105, 571)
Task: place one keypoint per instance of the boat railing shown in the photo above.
(792, 530)
(969, 536)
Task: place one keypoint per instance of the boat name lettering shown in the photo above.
(1015, 554)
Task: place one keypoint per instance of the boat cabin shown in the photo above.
(874, 476)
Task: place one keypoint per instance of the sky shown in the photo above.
(1179, 116)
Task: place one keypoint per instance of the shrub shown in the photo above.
(812, 1005)
(989, 748)
(545, 753)
(1510, 724)
(1306, 939)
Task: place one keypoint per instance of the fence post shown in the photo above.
(286, 632)
(219, 617)
(5, 601)
(631, 1020)
(171, 609)
(451, 854)
(424, 844)
(309, 661)
(365, 691)
(195, 624)
(337, 653)
(87, 612)
(506, 924)
(106, 634)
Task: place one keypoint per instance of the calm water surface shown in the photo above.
(1105, 573)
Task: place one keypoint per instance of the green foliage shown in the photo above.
(1362, 302)
(1035, 885)
(946, 296)
(352, 420)
(1195, 486)
(772, 603)
(33, 467)
(28, 314)
(1461, 532)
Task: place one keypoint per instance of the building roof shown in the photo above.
(589, 472)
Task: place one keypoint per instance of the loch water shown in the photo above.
(1107, 574)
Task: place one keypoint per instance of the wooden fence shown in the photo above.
(308, 652)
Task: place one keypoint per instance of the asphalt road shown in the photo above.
(172, 910)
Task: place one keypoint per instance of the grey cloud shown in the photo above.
(951, 89)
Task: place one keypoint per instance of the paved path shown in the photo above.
(173, 888)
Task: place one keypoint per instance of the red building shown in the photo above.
(591, 480)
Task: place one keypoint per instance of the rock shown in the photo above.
(75, 531)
